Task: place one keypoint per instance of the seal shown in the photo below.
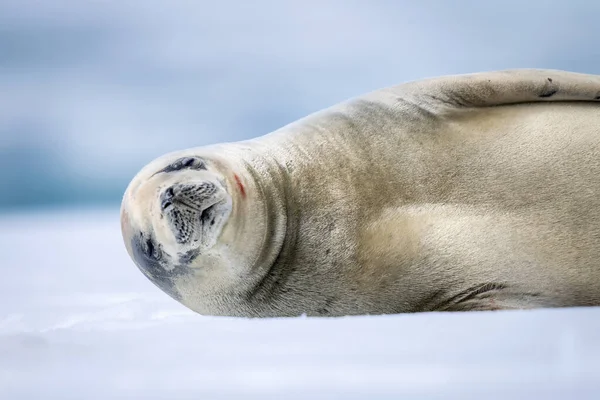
(466, 192)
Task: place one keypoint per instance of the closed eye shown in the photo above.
(194, 163)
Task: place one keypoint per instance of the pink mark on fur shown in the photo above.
(239, 183)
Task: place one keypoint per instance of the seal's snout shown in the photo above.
(190, 196)
(195, 211)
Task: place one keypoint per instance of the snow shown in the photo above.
(78, 320)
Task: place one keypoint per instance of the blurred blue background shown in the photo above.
(90, 91)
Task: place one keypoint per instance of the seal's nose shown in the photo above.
(194, 211)
(166, 198)
(195, 196)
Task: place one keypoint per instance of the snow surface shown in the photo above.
(79, 321)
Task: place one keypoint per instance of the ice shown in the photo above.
(79, 321)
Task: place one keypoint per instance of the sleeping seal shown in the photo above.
(466, 192)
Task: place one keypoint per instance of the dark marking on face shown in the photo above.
(151, 260)
(188, 257)
(194, 163)
(597, 96)
(550, 80)
(240, 185)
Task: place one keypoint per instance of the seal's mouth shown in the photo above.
(195, 213)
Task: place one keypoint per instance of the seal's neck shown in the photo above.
(266, 275)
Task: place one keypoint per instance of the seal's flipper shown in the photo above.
(488, 297)
(488, 89)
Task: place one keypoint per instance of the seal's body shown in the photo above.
(470, 192)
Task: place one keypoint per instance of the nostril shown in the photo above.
(167, 198)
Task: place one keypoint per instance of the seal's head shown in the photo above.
(194, 226)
